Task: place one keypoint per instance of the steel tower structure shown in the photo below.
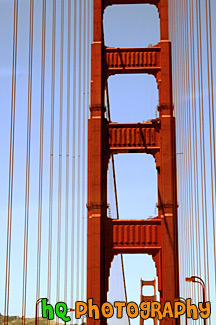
(108, 237)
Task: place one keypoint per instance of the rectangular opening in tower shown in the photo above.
(136, 267)
(136, 183)
(136, 25)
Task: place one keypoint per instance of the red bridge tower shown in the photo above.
(108, 237)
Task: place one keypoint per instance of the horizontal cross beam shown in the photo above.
(137, 235)
(134, 137)
(134, 237)
(133, 60)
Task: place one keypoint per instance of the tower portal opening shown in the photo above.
(125, 26)
(136, 267)
(133, 98)
(136, 180)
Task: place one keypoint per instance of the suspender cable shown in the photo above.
(116, 198)
(86, 67)
(176, 76)
(194, 135)
(182, 109)
(186, 144)
(49, 273)
(73, 283)
(199, 111)
(83, 219)
(60, 154)
(211, 120)
(67, 148)
(89, 25)
(202, 148)
(11, 163)
(187, 151)
(41, 150)
(192, 261)
(191, 139)
(28, 151)
(173, 30)
(79, 149)
(182, 121)
(184, 128)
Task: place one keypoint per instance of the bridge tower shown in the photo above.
(108, 237)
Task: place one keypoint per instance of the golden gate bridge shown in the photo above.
(45, 82)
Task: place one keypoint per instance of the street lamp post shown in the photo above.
(197, 279)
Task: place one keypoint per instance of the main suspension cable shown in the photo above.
(116, 196)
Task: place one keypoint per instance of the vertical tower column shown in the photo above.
(97, 170)
(167, 196)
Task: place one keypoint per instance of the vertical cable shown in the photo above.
(73, 282)
(11, 162)
(67, 148)
(202, 149)
(83, 219)
(28, 155)
(194, 132)
(89, 25)
(60, 155)
(49, 273)
(40, 196)
(79, 149)
(182, 121)
(211, 120)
